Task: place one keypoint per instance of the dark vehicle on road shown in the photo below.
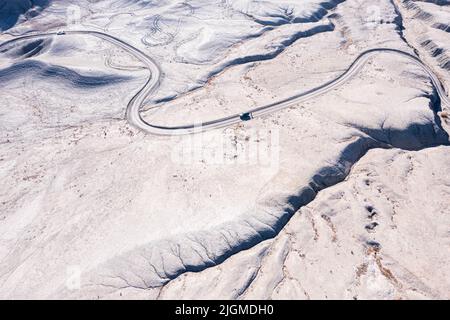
(246, 116)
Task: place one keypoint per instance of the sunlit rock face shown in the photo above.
(332, 197)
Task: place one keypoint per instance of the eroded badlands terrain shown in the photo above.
(344, 195)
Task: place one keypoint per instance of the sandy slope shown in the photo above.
(376, 235)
